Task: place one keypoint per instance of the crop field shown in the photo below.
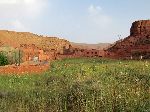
(80, 85)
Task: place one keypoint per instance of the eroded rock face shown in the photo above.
(140, 28)
(135, 45)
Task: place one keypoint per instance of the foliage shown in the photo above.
(3, 59)
(80, 85)
(13, 55)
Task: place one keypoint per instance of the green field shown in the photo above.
(80, 85)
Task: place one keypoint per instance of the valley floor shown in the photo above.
(80, 85)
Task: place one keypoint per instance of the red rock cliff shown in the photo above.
(140, 28)
(136, 45)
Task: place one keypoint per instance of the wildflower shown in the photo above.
(121, 72)
(146, 65)
(119, 96)
(138, 93)
(136, 80)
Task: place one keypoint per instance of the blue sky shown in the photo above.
(84, 21)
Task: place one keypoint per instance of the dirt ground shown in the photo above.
(23, 69)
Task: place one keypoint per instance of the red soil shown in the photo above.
(23, 69)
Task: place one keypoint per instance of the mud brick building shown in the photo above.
(94, 53)
(32, 53)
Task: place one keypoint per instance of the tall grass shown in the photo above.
(80, 85)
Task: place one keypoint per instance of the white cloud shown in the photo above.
(12, 2)
(94, 10)
(8, 2)
(97, 16)
(29, 1)
(17, 13)
(27, 8)
(97, 26)
(17, 25)
(15, 2)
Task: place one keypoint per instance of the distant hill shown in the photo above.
(99, 46)
(14, 39)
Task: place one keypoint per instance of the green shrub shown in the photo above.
(13, 55)
(3, 59)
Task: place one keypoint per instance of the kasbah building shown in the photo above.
(33, 53)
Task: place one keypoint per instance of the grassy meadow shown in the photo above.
(80, 85)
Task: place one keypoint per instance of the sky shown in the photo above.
(82, 21)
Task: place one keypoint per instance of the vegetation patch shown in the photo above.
(80, 85)
(3, 59)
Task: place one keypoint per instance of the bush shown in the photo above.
(13, 55)
(3, 60)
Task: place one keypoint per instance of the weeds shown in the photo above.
(80, 85)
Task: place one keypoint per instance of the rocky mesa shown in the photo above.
(136, 45)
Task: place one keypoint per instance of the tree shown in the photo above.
(17, 55)
(3, 59)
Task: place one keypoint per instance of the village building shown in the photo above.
(89, 53)
(33, 53)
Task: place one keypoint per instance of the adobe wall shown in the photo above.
(31, 51)
(77, 53)
(93, 53)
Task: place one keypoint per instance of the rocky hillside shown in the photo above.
(135, 45)
(15, 39)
